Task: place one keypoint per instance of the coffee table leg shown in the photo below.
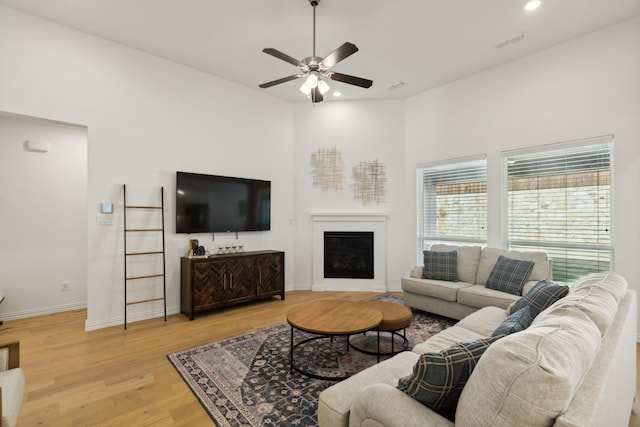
(291, 353)
(378, 352)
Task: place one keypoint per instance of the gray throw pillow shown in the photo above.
(516, 322)
(438, 378)
(542, 295)
(509, 275)
(440, 265)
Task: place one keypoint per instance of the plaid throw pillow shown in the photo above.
(542, 295)
(517, 321)
(440, 266)
(438, 378)
(509, 275)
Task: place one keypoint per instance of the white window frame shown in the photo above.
(573, 147)
(425, 238)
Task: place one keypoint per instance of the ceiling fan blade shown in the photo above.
(316, 95)
(352, 80)
(344, 51)
(277, 82)
(275, 52)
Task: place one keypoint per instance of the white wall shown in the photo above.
(362, 131)
(587, 87)
(146, 119)
(43, 206)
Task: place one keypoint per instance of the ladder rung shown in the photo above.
(143, 207)
(144, 277)
(144, 253)
(142, 229)
(145, 300)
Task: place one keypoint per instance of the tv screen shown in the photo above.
(212, 203)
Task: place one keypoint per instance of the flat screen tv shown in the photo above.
(212, 203)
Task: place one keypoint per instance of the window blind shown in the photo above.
(558, 200)
(452, 202)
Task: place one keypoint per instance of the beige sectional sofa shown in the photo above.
(461, 298)
(11, 383)
(573, 366)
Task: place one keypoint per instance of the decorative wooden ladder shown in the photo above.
(128, 255)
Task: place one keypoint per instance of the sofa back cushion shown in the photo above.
(468, 260)
(529, 378)
(597, 295)
(489, 257)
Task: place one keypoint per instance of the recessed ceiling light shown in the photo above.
(532, 5)
(337, 94)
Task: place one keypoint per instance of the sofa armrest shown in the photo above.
(382, 404)
(9, 355)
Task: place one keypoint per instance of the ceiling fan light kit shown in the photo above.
(313, 68)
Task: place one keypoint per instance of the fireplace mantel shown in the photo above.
(350, 221)
(348, 216)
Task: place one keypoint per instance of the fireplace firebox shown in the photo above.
(348, 254)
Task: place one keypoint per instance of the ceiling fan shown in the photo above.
(313, 68)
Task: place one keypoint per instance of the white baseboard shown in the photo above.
(119, 321)
(44, 310)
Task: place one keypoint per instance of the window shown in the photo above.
(558, 200)
(452, 202)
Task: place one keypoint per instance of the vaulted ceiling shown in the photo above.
(413, 45)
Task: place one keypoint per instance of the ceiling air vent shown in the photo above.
(510, 41)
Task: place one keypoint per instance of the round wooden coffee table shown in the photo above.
(329, 318)
(395, 318)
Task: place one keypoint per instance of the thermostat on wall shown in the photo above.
(106, 208)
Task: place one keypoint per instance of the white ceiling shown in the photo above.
(423, 43)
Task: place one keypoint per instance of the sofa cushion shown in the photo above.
(434, 288)
(468, 260)
(479, 296)
(509, 275)
(596, 295)
(334, 403)
(541, 296)
(516, 322)
(484, 320)
(438, 378)
(440, 265)
(12, 384)
(489, 257)
(529, 378)
(447, 338)
(416, 272)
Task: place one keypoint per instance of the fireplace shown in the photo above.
(348, 254)
(373, 223)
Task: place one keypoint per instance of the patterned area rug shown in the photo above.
(246, 381)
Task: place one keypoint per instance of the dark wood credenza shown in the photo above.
(228, 279)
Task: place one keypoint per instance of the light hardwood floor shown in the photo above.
(113, 377)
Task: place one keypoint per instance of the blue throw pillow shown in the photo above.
(440, 265)
(542, 295)
(438, 378)
(509, 275)
(516, 322)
